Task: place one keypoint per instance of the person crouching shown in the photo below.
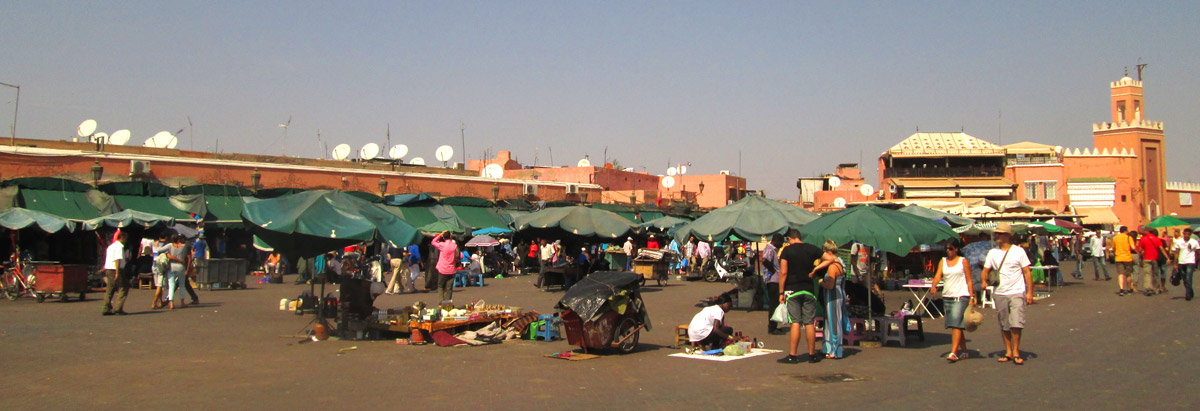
(708, 329)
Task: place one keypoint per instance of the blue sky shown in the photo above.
(795, 87)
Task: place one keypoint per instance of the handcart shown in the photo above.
(229, 271)
(57, 280)
(654, 265)
(605, 310)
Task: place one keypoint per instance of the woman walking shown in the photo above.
(177, 253)
(833, 283)
(957, 294)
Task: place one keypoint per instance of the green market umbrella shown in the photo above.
(313, 222)
(1050, 228)
(887, 230)
(752, 217)
(128, 218)
(954, 219)
(19, 218)
(661, 224)
(575, 221)
(1166, 221)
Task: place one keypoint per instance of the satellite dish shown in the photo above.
(119, 137)
(101, 137)
(584, 163)
(341, 152)
(418, 161)
(834, 182)
(493, 171)
(839, 202)
(87, 128)
(866, 190)
(398, 151)
(368, 152)
(682, 170)
(668, 181)
(163, 139)
(672, 171)
(444, 153)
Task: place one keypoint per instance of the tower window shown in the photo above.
(1031, 191)
(1121, 110)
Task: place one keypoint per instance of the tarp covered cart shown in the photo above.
(228, 271)
(604, 310)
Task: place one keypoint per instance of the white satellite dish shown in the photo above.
(398, 151)
(368, 152)
(866, 190)
(668, 181)
(584, 163)
(101, 136)
(839, 202)
(682, 170)
(119, 137)
(417, 161)
(672, 171)
(162, 139)
(834, 182)
(444, 153)
(493, 171)
(341, 152)
(87, 128)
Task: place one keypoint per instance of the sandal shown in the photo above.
(1004, 359)
(953, 358)
(1018, 360)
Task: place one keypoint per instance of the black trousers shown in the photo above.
(118, 286)
(713, 338)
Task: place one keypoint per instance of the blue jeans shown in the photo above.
(1099, 264)
(1187, 270)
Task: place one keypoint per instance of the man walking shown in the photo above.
(1149, 246)
(1014, 292)
(1123, 255)
(1077, 251)
(1098, 255)
(796, 274)
(1187, 261)
(770, 267)
(118, 279)
(396, 258)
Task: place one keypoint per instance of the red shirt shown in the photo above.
(1150, 245)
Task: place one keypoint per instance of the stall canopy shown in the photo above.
(313, 222)
(425, 220)
(19, 218)
(661, 224)
(401, 200)
(1097, 215)
(128, 218)
(620, 210)
(478, 217)
(149, 198)
(64, 198)
(752, 218)
(575, 221)
(1167, 221)
(888, 230)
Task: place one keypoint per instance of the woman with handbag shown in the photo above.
(833, 283)
(957, 295)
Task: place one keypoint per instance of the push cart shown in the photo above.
(59, 280)
(605, 310)
(229, 271)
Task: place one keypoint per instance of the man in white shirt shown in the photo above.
(628, 247)
(1187, 261)
(707, 328)
(1014, 292)
(118, 280)
(1098, 261)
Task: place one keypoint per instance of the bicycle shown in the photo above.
(18, 279)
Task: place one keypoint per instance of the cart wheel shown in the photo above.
(41, 298)
(82, 296)
(626, 327)
(711, 276)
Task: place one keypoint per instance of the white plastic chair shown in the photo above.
(989, 297)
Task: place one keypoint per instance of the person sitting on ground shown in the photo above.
(707, 329)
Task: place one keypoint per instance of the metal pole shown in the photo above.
(16, 107)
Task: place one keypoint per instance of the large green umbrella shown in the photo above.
(884, 229)
(18, 218)
(752, 217)
(578, 221)
(1166, 221)
(954, 219)
(1050, 228)
(128, 218)
(313, 222)
(661, 224)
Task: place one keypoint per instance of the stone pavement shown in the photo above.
(1086, 348)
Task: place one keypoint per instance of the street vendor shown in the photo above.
(708, 328)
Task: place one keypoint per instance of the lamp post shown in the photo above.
(495, 191)
(585, 197)
(255, 179)
(97, 173)
(382, 186)
(16, 106)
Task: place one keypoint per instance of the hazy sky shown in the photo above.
(795, 87)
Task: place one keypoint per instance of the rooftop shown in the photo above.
(944, 145)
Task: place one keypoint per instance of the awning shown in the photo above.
(1097, 215)
(478, 217)
(73, 205)
(225, 210)
(153, 205)
(423, 219)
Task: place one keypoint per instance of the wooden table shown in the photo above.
(454, 325)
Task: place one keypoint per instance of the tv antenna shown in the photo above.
(444, 154)
(1140, 67)
(341, 151)
(285, 126)
(191, 138)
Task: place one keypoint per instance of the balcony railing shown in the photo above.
(944, 172)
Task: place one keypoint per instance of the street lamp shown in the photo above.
(495, 191)
(585, 197)
(255, 179)
(382, 186)
(701, 187)
(97, 172)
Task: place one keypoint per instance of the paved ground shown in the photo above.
(1087, 348)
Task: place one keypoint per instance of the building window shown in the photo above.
(1050, 190)
(1031, 191)
(1185, 199)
